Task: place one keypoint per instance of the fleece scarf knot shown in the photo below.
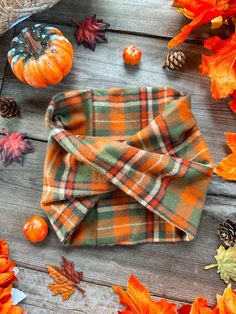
(124, 166)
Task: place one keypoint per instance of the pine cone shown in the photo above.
(227, 232)
(8, 108)
(175, 60)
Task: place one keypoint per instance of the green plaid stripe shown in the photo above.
(124, 166)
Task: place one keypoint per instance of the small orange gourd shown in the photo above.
(40, 56)
(132, 55)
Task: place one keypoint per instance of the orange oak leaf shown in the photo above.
(138, 300)
(66, 279)
(227, 167)
(227, 302)
(220, 66)
(202, 12)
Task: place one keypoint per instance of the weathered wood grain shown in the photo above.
(97, 299)
(152, 17)
(105, 68)
(5, 41)
(168, 270)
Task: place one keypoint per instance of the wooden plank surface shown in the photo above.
(214, 118)
(155, 18)
(160, 266)
(4, 47)
(169, 270)
(97, 299)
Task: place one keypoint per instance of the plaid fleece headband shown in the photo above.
(124, 166)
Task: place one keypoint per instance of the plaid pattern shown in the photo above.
(124, 166)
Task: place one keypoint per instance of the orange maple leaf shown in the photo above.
(227, 167)
(199, 306)
(220, 66)
(66, 279)
(138, 300)
(227, 302)
(202, 12)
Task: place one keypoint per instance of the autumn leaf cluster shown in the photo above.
(220, 66)
(137, 300)
(7, 279)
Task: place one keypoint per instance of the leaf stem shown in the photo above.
(80, 289)
(210, 266)
(5, 131)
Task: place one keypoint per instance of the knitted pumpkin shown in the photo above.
(40, 56)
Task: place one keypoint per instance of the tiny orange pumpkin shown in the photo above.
(132, 55)
(40, 56)
(35, 229)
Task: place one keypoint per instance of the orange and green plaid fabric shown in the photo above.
(124, 166)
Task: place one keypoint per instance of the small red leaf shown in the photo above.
(13, 147)
(91, 31)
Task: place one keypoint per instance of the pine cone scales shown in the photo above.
(175, 60)
(8, 108)
(227, 232)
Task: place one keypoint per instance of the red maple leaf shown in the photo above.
(91, 31)
(13, 147)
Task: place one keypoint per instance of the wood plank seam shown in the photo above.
(6, 64)
(126, 32)
(94, 282)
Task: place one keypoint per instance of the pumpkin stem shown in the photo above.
(34, 45)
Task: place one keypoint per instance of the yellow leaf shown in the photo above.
(226, 263)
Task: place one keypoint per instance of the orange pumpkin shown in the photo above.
(40, 56)
(132, 55)
(35, 229)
